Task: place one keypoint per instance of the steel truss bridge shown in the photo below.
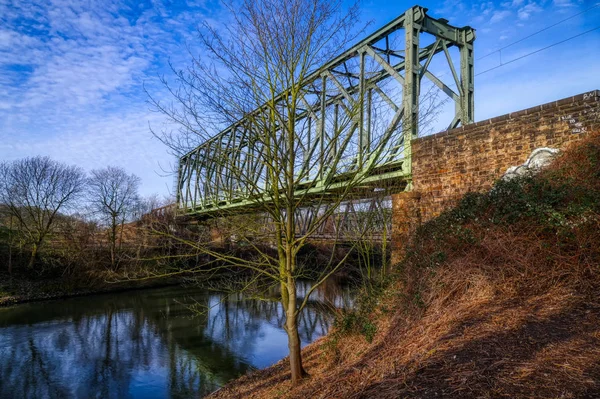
(358, 115)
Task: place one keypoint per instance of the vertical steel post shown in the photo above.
(368, 120)
(197, 182)
(218, 167)
(188, 169)
(179, 186)
(306, 149)
(362, 140)
(467, 76)
(411, 82)
(322, 145)
(336, 134)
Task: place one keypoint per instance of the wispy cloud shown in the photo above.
(565, 3)
(71, 76)
(501, 15)
(524, 13)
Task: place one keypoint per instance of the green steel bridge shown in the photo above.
(359, 113)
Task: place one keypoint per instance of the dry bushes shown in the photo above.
(527, 236)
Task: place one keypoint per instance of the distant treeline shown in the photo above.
(57, 220)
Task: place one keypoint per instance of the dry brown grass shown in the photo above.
(484, 307)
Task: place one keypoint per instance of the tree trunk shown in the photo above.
(113, 242)
(10, 258)
(10, 245)
(296, 368)
(32, 258)
(112, 257)
(291, 327)
(121, 225)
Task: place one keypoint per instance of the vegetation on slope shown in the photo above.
(497, 297)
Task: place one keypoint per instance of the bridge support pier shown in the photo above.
(406, 217)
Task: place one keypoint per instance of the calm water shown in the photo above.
(147, 343)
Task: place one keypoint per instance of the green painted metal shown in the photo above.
(344, 105)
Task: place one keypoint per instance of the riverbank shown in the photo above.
(498, 297)
(540, 347)
(30, 285)
(15, 290)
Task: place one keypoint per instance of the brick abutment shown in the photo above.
(447, 165)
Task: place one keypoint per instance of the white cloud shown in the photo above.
(498, 16)
(525, 12)
(564, 3)
(71, 76)
(93, 143)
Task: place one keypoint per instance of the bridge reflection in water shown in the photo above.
(147, 343)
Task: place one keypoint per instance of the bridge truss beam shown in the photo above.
(358, 115)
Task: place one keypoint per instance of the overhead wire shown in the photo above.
(539, 50)
(538, 32)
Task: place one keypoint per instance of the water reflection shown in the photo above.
(147, 344)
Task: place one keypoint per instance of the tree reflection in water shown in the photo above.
(147, 343)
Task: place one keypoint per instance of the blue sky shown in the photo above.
(73, 72)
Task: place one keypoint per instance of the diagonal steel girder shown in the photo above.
(341, 108)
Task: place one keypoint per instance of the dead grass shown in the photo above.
(492, 301)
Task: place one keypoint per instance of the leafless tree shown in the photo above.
(258, 68)
(34, 191)
(113, 197)
(268, 48)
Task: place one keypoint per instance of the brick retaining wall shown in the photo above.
(471, 158)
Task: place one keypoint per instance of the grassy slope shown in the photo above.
(498, 297)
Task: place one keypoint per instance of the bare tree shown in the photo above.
(278, 132)
(261, 60)
(35, 190)
(113, 196)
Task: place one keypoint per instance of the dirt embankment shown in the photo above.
(498, 297)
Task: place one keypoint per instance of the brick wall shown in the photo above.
(471, 158)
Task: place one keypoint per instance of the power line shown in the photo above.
(538, 50)
(539, 31)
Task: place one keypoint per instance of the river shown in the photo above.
(148, 343)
